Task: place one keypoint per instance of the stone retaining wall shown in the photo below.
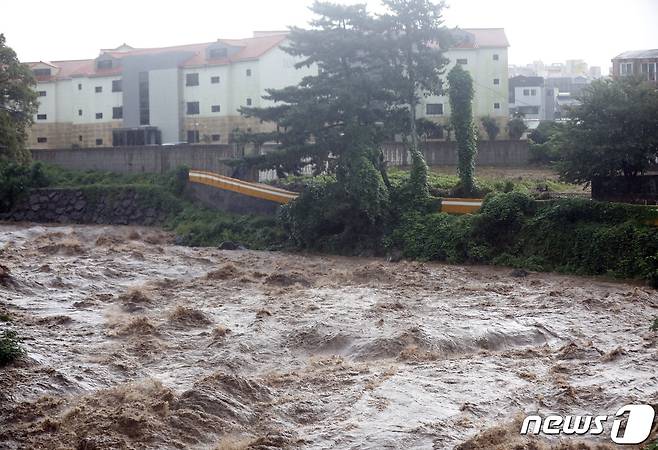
(114, 206)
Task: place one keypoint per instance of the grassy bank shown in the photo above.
(193, 224)
(512, 229)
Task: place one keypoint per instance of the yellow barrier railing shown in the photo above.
(258, 190)
(461, 205)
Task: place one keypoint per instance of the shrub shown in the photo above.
(10, 348)
(490, 126)
(572, 236)
(16, 179)
(515, 128)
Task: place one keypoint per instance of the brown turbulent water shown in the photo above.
(134, 342)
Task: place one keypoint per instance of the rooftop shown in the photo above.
(245, 50)
(480, 38)
(634, 54)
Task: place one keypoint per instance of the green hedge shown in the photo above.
(571, 236)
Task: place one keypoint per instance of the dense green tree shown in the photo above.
(490, 126)
(461, 106)
(412, 61)
(18, 103)
(318, 120)
(614, 131)
(516, 126)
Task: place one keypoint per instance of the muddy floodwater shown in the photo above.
(134, 342)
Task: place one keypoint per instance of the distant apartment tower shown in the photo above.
(130, 96)
(641, 63)
(483, 53)
(192, 93)
(530, 97)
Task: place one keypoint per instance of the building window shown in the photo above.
(649, 71)
(533, 92)
(80, 138)
(79, 112)
(496, 105)
(192, 79)
(215, 137)
(99, 142)
(99, 116)
(42, 116)
(41, 72)
(117, 112)
(248, 102)
(214, 80)
(248, 72)
(192, 108)
(144, 102)
(42, 140)
(116, 86)
(434, 109)
(495, 57)
(79, 86)
(215, 108)
(215, 53)
(496, 81)
(526, 92)
(626, 68)
(192, 136)
(105, 64)
(462, 61)
(42, 93)
(98, 89)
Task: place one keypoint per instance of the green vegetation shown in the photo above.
(10, 348)
(571, 236)
(461, 105)
(18, 103)
(654, 325)
(490, 126)
(613, 132)
(516, 127)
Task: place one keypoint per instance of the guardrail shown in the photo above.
(258, 190)
(461, 205)
(267, 192)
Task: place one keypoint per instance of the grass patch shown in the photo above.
(4, 317)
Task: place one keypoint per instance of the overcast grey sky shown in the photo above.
(551, 30)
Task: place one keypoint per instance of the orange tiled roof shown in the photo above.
(249, 49)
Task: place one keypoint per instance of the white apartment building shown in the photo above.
(483, 53)
(129, 96)
(192, 93)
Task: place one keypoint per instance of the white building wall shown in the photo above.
(47, 104)
(483, 69)
(91, 102)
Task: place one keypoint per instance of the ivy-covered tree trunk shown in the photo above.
(461, 100)
(418, 175)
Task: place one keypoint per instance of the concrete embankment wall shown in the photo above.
(441, 153)
(141, 159)
(214, 158)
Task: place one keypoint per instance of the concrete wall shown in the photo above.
(230, 201)
(439, 153)
(155, 159)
